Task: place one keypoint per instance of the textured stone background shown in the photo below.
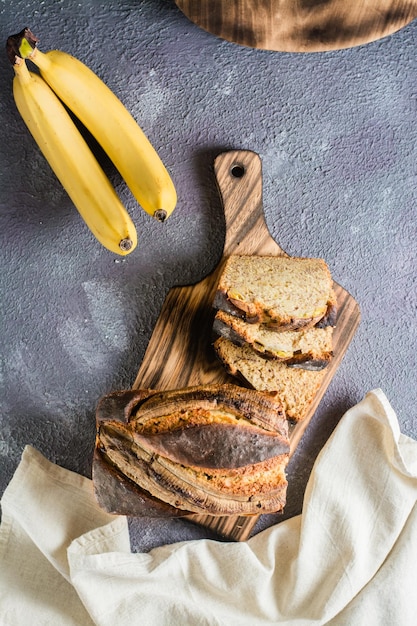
(336, 133)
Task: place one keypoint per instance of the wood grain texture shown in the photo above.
(300, 25)
(180, 353)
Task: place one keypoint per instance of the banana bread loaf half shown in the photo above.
(213, 449)
(295, 387)
(285, 293)
(308, 348)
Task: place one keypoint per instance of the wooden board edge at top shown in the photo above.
(300, 27)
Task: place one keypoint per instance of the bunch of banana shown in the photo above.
(102, 113)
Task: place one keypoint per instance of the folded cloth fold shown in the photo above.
(349, 558)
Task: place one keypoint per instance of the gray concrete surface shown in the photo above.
(336, 133)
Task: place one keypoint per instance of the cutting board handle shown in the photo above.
(239, 179)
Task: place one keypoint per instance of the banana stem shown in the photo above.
(21, 70)
(21, 45)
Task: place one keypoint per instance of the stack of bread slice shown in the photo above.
(274, 325)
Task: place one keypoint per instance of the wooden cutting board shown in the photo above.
(180, 353)
(300, 25)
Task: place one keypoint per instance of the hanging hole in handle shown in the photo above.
(237, 171)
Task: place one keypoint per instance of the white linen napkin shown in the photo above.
(349, 559)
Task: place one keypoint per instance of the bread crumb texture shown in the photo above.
(296, 387)
(278, 288)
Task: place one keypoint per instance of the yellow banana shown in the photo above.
(72, 161)
(107, 119)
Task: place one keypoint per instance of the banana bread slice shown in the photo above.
(281, 292)
(296, 388)
(309, 348)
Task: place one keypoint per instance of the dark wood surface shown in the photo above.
(300, 25)
(180, 354)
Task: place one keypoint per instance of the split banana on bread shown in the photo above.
(72, 161)
(107, 119)
(211, 449)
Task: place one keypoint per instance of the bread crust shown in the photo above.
(210, 449)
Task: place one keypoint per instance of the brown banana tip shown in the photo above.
(14, 44)
(126, 245)
(160, 215)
